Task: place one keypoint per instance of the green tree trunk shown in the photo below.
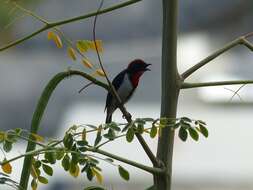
(170, 90)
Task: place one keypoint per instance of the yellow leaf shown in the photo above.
(98, 175)
(37, 137)
(99, 45)
(76, 173)
(50, 35)
(82, 46)
(100, 72)
(7, 168)
(57, 41)
(2, 136)
(71, 53)
(87, 63)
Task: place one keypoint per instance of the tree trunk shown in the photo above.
(170, 90)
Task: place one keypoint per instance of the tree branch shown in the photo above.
(218, 83)
(54, 24)
(152, 170)
(239, 41)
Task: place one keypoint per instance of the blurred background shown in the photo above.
(222, 162)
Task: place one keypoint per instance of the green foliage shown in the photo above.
(123, 173)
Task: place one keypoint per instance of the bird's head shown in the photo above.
(137, 66)
(135, 69)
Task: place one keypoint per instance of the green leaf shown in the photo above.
(193, 133)
(130, 134)
(51, 157)
(123, 173)
(175, 126)
(186, 119)
(110, 135)
(18, 131)
(68, 141)
(82, 143)
(182, 134)
(59, 154)
(203, 130)
(98, 138)
(66, 162)
(140, 128)
(7, 146)
(43, 180)
(114, 126)
(47, 169)
(148, 119)
(34, 184)
(89, 174)
(37, 164)
(94, 188)
(153, 131)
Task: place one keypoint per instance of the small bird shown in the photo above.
(125, 84)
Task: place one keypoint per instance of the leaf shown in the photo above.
(98, 175)
(186, 119)
(7, 146)
(130, 135)
(2, 136)
(51, 157)
(203, 130)
(98, 138)
(140, 128)
(110, 135)
(47, 169)
(43, 180)
(18, 131)
(34, 184)
(94, 188)
(193, 133)
(57, 41)
(87, 63)
(66, 162)
(7, 168)
(100, 72)
(123, 173)
(153, 131)
(114, 126)
(89, 174)
(74, 170)
(82, 143)
(50, 35)
(37, 137)
(37, 164)
(82, 46)
(68, 141)
(59, 154)
(98, 43)
(182, 134)
(71, 53)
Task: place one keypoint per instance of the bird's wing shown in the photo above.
(117, 81)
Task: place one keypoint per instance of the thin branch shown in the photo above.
(186, 85)
(239, 41)
(87, 85)
(122, 108)
(152, 170)
(63, 22)
(235, 93)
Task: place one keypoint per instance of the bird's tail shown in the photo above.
(108, 118)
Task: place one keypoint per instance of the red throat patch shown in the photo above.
(135, 78)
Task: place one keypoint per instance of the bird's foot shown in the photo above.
(127, 115)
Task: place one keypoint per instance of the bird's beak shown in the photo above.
(147, 69)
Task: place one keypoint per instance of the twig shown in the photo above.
(239, 41)
(87, 85)
(217, 83)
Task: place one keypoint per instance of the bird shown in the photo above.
(125, 84)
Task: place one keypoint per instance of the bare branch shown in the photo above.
(239, 41)
(186, 85)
